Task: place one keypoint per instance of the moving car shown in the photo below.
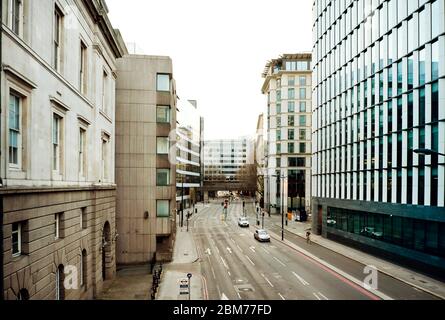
(261, 235)
(243, 222)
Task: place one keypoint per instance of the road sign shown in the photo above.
(184, 286)
(189, 275)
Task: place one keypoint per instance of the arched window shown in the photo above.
(60, 278)
(83, 269)
(23, 294)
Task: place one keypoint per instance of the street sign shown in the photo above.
(184, 286)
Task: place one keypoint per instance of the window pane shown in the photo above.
(291, 106)
(163, 114)
(162, 177)
(163, 82)
(435, 60)
(163, 208)
(302, 106)
(162, 145)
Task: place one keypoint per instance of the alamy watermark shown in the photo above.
(371, 281)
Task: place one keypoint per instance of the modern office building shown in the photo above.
(228, 165)
(379, 94)
(287, 84)
(57, 145)
(188, 157)
(145, 174)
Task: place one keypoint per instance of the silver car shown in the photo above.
(261, 235)
(243, 222)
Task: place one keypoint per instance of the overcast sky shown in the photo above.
(219, 49)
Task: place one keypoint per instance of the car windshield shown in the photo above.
(262, 232)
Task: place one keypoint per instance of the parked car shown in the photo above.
(331, 222)
(243, 222)
(261, 235)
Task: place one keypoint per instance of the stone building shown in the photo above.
(287, 84)
(145, 174)
(57, 146)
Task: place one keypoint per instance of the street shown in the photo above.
(238, 267)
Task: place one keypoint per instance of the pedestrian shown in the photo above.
(308, 237)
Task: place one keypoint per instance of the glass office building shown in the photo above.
(379, 94)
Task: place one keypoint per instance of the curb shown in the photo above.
(382, 271)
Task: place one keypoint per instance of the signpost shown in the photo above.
(189, 276)
(184, 286)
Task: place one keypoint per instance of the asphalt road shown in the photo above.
(238, 267)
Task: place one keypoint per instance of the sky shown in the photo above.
(219, 50)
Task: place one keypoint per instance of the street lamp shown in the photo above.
(427, 152)
(282, 177)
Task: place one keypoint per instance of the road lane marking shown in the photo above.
(281, 296)
(250, 260)
(240, 248)
(323, 296)
(219, 291)
(230, 250)
(217, 249)
(279, 261)
(213, 272)
(239, 296)
(224, 263)
(252, 248)
(229, 273)
(316, 296)
(208, 251)
(304, 282)
(265, 250)
(270, 283)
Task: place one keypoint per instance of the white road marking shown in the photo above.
(270, 283)
(230, 250)
(316, 296)
(252, 248)
(232, 240)
(224, 297)
(229, 273)
(224, 262)
(217, 249)
(219, 291)
(250, 260)
(209, 252)
(265, 250)
(213, 272)
(323, 296)
(281, 296)
(239, 296)
(279, 261)
(240, 248)
(304, 282)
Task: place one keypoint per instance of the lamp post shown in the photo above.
(428, 152)
(182, 202)
(282, 179)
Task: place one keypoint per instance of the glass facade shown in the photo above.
(379, 94)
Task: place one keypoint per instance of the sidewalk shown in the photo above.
(185, 260)
(407, 276)
(131, 283)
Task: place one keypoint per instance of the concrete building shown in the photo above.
(379, 94)
(188, 157)
(145, 176)
(228, 166)
(57, 145)
(287, 84)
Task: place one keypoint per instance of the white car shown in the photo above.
(243, 222)
(261, 235)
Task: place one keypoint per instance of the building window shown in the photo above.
(104, 158)
(278, 148)
(301, 162)
(291, 106)
(16, 239)
(302, 93)
(163, 82)
(83, 218)
(57, 138)
(82, 68)
(302, 134)
(291, 93)
(82, 153)
(104, 91)
(162, 208)
(15, 140)
(58, 225)
(302, 80)
(302, 147)
(60, 279)
(162, 145)
(83, 269)
(302, 120)
(16, 16)
(278, 95)
(23, 294)
(162, 177)
(278, 121)
(291, 121)
(278, 108)
(57, 38)
(163, 114)
(290, 147)
(278, 135)
(302, 106)
(291, 81)
(290, 134)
